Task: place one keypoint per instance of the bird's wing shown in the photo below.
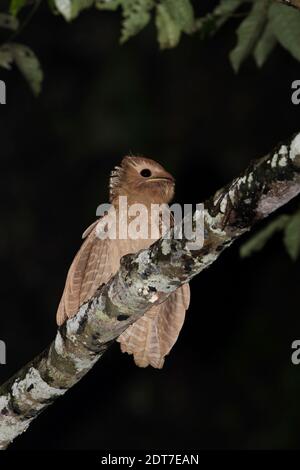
(153, 335)
(94, 265)
(89, 229)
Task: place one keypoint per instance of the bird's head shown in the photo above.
(142, 180)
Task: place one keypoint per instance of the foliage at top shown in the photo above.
(263, 25)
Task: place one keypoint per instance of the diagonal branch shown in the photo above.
(266, 185)
(291, 3)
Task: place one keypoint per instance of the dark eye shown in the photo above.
(146, 173)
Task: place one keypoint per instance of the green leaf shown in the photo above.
(70, 9)
(16, 5)
(108, 4)
(285, 22)
(51, 4)
(26, 61)
(6, 57)
(182, 13)
(174, 17)
(265, 46)
(209, 24)
(168, 30)
(206, 26)
(249, 32)
(8, 22)
(225, 10)
(292, 236)
(28, 64)
(136, 15)
(65, 8)
(259, 240)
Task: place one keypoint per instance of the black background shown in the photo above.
(229, 382)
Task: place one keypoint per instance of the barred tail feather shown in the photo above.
(152, 337)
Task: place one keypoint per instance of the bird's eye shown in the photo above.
(146, 173)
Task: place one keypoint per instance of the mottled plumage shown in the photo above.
(151, 337)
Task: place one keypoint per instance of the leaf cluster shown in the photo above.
(263, 24)
(287, 225)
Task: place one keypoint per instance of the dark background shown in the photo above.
(229, 381)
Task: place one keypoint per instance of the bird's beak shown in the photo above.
(167, 177)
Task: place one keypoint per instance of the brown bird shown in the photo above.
(150, 338)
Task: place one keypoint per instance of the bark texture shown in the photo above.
(266, 185)
(291, 3)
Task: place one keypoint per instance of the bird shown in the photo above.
(149, 339)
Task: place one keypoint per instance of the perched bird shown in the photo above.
(152, 336)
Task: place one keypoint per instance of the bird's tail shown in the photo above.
(152, 337)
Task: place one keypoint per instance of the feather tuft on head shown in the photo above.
(141, 180)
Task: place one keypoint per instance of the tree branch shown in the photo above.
(291, 3)
(266, 185)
